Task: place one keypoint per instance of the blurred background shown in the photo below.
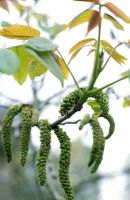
(112, 180)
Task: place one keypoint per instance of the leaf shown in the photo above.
(41, 44)
(118, 12)
(9, 61)
(95, 106)
(114, 54)
(24, 57)
(80, 44)
(113, 21)
(20, 32)
(62, 66)
(91, 1)
(4, 5)
(126, 74)
(36, 69)
(94, 20)
(81, 18)
(46, 59)
(126, 102)
(91, 51)
(74, 54)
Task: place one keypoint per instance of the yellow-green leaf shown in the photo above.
(126, 74)
(74, 54)
(113, 53)
(62, 66)
(20, 32)
(95, 106)
(116, 11)
(113, 21)
(80, 44)
(36, 69)
(25, 59)
(126, 102)
(81, 18)
(91, 51)
(94, 20)
(4, 5)
(91, 1)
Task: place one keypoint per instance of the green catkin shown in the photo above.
(6, 129)
(25, 133)
(102, 99)
(97, 151)
(35, 117)
(64, 162)
(111, 125)
(69, 101)
(84, 121)
(104, 104)
(42, 156)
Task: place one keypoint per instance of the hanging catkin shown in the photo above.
(64, 162)
(42, 156)
(25, 133)
(97, 151)
(35, 117)
(6, 129)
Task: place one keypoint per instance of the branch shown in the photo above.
(69, 122)
(76, 108)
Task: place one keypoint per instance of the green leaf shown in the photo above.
(36, 69)
(24, 57)
(47, 59)
(95, 106)
(41, 44)
(113, 21)
(81, 18)
(9, 61)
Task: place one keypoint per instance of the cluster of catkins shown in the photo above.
(30, 118)
(97, 151)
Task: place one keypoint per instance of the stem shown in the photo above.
(95, 67)
(88, 93)
(76, 83)
(112, 83)
(119, 44)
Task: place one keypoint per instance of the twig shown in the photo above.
(76, 108)
(69, 122)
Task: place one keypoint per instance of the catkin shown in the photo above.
(84, 121)
(111, 125)
(35, 117)
(97, 151)
(25, 133)
(42, 156)
(6, 129)
(69, 101)
(102, 99)
(64, 162)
